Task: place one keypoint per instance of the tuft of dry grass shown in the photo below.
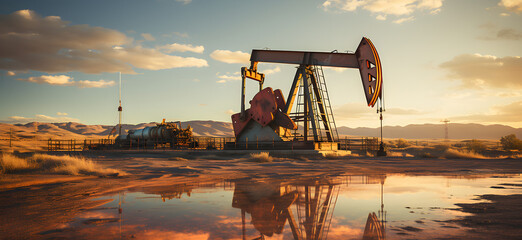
(461, 154)
(261, 157)
(398, 154)
(10, 163)
(441, 147)
(339, 155)
(393, 154)
(66, 164)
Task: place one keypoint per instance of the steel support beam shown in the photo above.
(327, 59)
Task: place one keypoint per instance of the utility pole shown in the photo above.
(119, 110)
(446, 134)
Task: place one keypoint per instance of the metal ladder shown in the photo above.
(323, 90)
(298, 114)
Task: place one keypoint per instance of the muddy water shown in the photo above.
(341, 207)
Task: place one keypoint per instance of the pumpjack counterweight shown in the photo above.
(269, 118)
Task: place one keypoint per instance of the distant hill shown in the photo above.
(430, 131)
(72, 130)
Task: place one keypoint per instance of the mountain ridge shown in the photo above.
(211, 128)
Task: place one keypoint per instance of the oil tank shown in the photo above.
(157, 132)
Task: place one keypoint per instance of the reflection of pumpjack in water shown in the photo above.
(375, 228)
(269, 207)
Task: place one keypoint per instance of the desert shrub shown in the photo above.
(69, 165)
(511, 142)
(441, 147)
(261, 157)
(461, 154)
(476, 146)
(10, 163)
(394, 154)
(402, 143)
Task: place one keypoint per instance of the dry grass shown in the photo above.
(68, 165)
(398, 154)
(261, 157)
(339, 155)
(10, 163)
(461, 154)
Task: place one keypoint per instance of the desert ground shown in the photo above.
(39, 200)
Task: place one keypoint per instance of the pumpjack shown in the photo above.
(272, 123)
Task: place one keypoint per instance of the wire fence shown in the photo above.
(11, 140)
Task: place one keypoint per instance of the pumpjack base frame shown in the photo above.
(282, 145)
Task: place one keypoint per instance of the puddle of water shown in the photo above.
(348, 207)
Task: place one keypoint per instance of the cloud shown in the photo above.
(341, 231)
(402, 111)
(49, 44)
(495, 33)
(351, 111)
(176, 47)
(63, 80)
(229, 77)
(436, 11)
(94, 84)
(272, 71)
(479, 71)
(182, 35)
(230, 112)
(512, 5)
(344, 5)
(51, 80)
(384, 7)
(509, 113)
(223, 78)
(509, 34)
(227, 56)
(40, 118)
(184, 1)
(335, 69)
(10, 73)
(62, 114)
(505, 14)
(406, 19)
(148, 37)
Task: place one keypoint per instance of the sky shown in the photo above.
(180, 59)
